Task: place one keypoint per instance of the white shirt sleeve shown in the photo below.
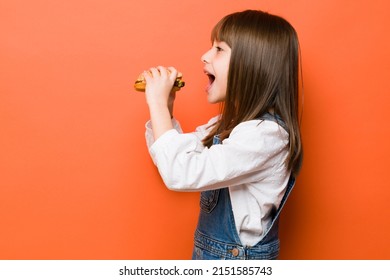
(252, 148)
(149, 133)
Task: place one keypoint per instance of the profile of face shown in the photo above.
(216, 66)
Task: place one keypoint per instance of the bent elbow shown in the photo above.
(177, 183)
(172, 184)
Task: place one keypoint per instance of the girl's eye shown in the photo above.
(219, 49)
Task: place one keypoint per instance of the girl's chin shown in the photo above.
(214, 95)
(212, 99)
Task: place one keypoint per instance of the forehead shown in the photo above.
(221, 44)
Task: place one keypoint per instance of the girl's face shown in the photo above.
(216, 66)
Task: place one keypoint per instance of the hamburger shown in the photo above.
(140, 83)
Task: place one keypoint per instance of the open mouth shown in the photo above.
(211, 78)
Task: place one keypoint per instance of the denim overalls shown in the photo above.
(216, 236)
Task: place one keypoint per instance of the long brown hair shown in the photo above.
(263, 75)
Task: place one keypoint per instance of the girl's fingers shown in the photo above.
(163, 71)
(172, 72)
(154, 72)
(148, 74)
(160, 73)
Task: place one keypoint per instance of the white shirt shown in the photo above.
(250, 162)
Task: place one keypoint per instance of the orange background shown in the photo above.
(76, 180)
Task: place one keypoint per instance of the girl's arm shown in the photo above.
(254, 150)
(200, 132)
(160, 98)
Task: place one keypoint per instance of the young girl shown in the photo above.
(243, 161)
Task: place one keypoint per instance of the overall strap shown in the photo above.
(276, 118)
(273, 229)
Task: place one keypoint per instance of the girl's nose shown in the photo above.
(204, 58)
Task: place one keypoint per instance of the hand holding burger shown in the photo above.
(140, 83)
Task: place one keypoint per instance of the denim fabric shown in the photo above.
(216, 237)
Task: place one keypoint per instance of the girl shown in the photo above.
(243, 161)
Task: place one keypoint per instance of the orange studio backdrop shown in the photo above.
(76, 180)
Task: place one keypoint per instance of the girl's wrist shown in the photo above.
(161, 120)
(157, 105)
